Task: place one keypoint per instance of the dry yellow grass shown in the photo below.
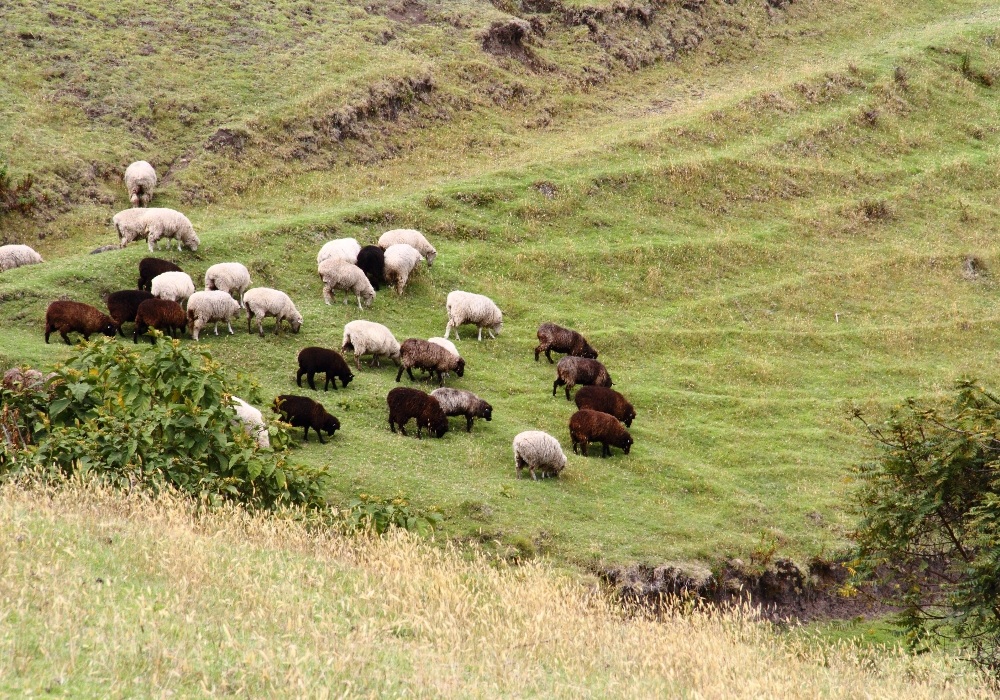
(108, 595)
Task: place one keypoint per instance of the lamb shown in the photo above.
(599, 398)
(422, 354)
(458, 402)
(337, 274)
(588, 426)
(253, 421)
(371, 260)
(465, 307)
(154, 224)
(161, 314)
(303, 412)
(330, 362)
(151, 267)
(552, 337)
(345, 249)
(123, 305)
(172, 286)
(405, 404)
(580, 370)
(140, 180)
(411, 238)
(539, 451)
(400, 261)
(263, 302)
(12, 256)
(231, 277)
(205, 307)
(363, 337)
(73, 317)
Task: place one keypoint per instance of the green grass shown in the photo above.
(708, 234)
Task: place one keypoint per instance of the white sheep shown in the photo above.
(345, 249)
(446, 344)
(154, 224)
(12, 256)
(536, 450)
(337, 274)
(253, 421)
(363, 337)
(131, 225)
(465, 307)
(400, 260)
(263, 302)
(231, 277)
(412, 238)
(205, 307)
(140, 180)
(172, 286)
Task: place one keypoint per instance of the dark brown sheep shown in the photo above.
(74, 317)
(371, 260)
(572, 370)
(161, 314)
(303, 412)
(405, 404)
(151, 267)
(552, 337)
(123, 305)
(421, 354)
(330, 362)
(599, 398)
(588, 426)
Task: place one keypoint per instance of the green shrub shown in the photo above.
(379, 514)
(156, 415)
(930, 520)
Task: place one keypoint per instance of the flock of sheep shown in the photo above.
(166, 300)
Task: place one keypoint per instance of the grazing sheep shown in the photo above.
(161, 314)
(400, 261)
(446, 344)
(231, 277)
(410, 238)
(588, 426)
(123, 305)
(205, 307)
(345, 249)
(303, 412)
(73, 317)
(253, 421)
(12, 256)
(538, 451)
(405, 404)
(172, 286)
(154, 224)
(130, 225)
(431, 357)
(151, 267)
(363, 337)
(337, 274)
(552, 337)
(263, 302)
(330, 362)
(465, 307)
(458, 402)
(140, 180)
(599, 398)
(371, 260)
(580, 370)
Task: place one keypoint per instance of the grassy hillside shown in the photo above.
(115, 597)
(760, 216)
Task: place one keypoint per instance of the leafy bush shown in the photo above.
(157, 414)
(379, 514)
(930, 527)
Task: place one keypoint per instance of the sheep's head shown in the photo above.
(487, 411)
(110, 329)
(430, 257)
(460, 367)
(369, 297)
(498, 326)
(629, 415)
(331, 425)
(588, 351)
(626, 444)
(295, 321)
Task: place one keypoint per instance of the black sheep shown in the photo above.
(151, 267)
(405, 403)
(303, 412)
(330, 362)
(371, 260)
(123, 305)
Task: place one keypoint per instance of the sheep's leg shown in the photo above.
(357, 361)
(327, 297)
(392, 426)
(347, 296)
(230, 324)
(537, 351)
(326, 386)
(568, 387)
(298, 377)
(468, 424)
(419, 437)
(64, 332)
(402, 427)
(480, 333)
(260, 326)
(556, 384)
(409, 373)
(309, 377)
(305, 434)
(249, 320)
(605, 450)
(532, 470)
(399, 374)
(359, 303)
(277, 325)
(48, 332)
(490, 331)
(548, 354)
(584, 447)
(217, 328)
(320, 436)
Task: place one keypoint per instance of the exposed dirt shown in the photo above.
(781, 591)
(505, 38)
(232, 140)
(408, 12)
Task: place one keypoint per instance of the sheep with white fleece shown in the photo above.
(154, 224)
(538, 451)
(140, 180)
(172, 286)
(253, 421)
(363, 337)
(339, 275)
(205, 307)
(345, 249)
(230, 277)
(263, 302)
(412, 238)
(12, 256)
(465, 307)
(400, 260)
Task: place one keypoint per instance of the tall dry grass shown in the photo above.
(108, 595)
